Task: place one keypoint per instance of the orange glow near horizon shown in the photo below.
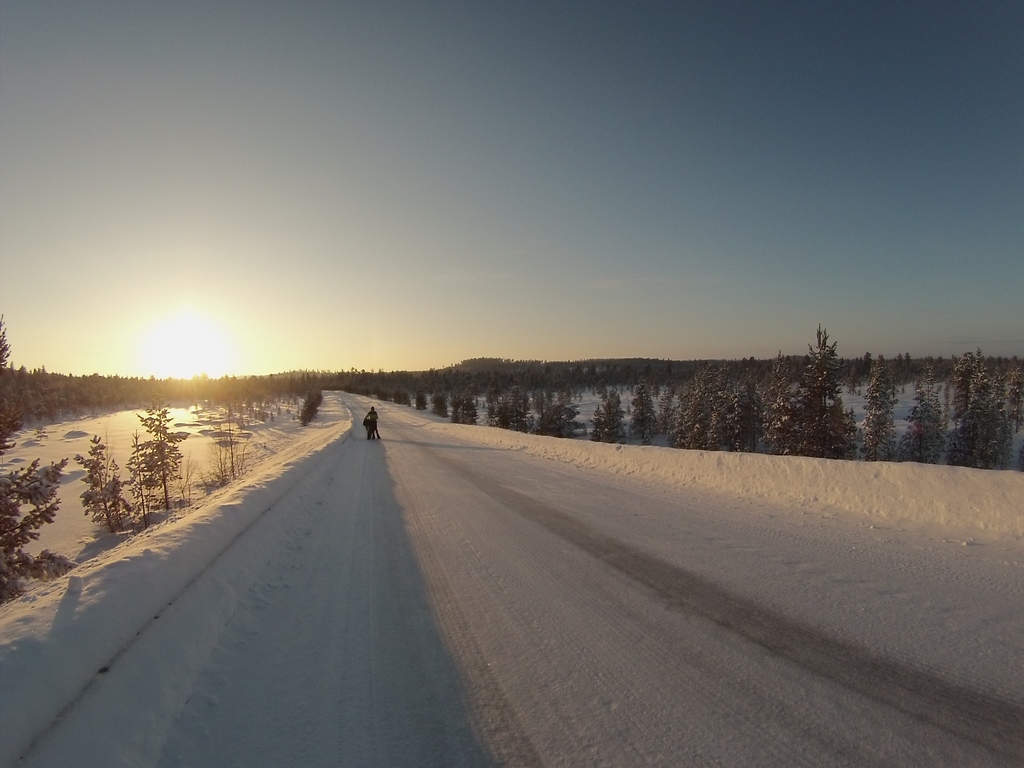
(185, 344)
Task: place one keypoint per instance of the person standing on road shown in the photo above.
(370, 422)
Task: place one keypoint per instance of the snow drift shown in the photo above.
(989, 501)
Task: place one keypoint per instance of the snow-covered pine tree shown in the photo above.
(666, 411)
(31, 486)
(780, 429)
(464, 409)
(722, 400)
(310, 406)
(104, 494)
(491, 409)
(692, 414)
(643, 423)
(598, 432)
(469, 409)
(517, 402)
(549, 418)
(568, 412)
(1002, 450)
(608, 419)
(925, 438)
(825, 429)
(982, 435)
(879, 430)
(1015, 398)
(162, 457)
(702, 415)
(746, 417)
(142, 484)
(439, 404)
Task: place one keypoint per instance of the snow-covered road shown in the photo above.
(428, 599)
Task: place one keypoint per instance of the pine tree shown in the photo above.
(104, 496)
(439, 404)
(568, 412)
(1015, 399)
(666, 411)
(517, 409)
(746, 417)
(608, 419)
(643, 422)
(826, 430)
(421, 401)
(550, 416)
(310, 405)
(982, 434)
(700, 420)
(780, 428)
(879, 430)
(464, 409)
(925, 438)
(162, 457)
(32, 487)
(722, 416)
(142, 483)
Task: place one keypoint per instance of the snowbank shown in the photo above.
(53, 641)
(984, 500)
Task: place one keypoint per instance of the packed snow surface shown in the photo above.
(456, 595)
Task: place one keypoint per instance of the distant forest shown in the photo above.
(966, 409)
(41, 396)
(477, 376)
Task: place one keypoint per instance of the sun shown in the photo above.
(185, 344)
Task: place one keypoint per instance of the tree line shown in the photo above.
(966, 409)
(42, 397)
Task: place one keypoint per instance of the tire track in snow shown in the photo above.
(990, 722)
(492, 715)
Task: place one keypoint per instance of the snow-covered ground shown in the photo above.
(74, 534)
(460, 595)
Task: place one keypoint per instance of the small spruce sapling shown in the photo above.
(104, 495)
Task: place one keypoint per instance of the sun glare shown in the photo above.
(184, 345)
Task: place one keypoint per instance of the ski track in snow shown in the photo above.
(430, 600)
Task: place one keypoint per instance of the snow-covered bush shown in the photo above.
(34, 487)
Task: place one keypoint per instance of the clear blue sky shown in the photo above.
(265, 186)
